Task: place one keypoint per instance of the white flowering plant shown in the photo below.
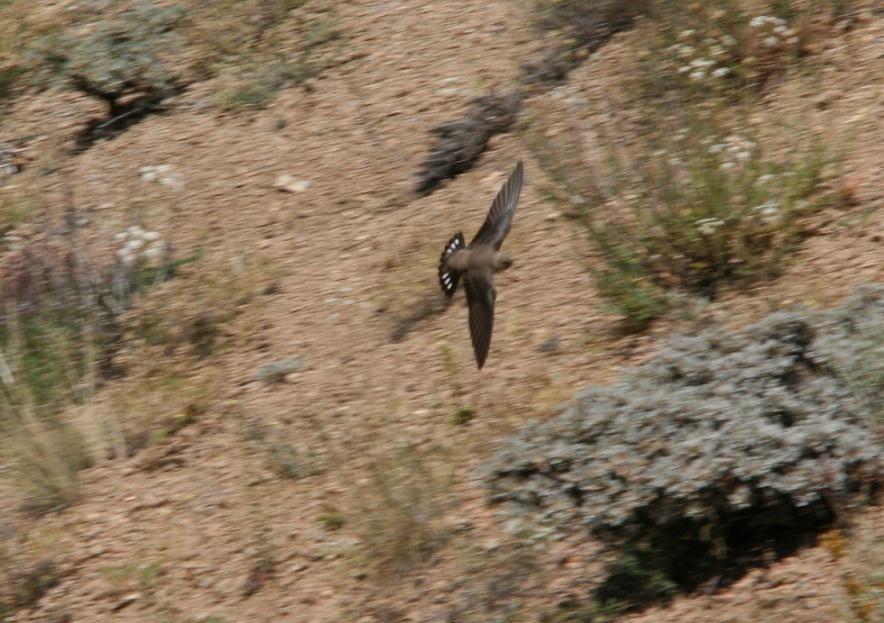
(707, 49)
(143, 257)
(140, 247)
(699, 212)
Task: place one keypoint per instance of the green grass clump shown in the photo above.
(463, 416)
(331, 521)
(251, 80)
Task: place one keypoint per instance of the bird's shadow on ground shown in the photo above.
(422, 308)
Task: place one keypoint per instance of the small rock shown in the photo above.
(95, 551)
(823, 100)
(549, 345)
(126, 600)
(277, 371)
(291, 184)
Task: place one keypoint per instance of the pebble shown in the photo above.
(291, 184)
(277, 371)
(126, 600)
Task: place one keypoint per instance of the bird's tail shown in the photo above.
(449, 277)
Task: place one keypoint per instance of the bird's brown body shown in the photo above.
(478, 262)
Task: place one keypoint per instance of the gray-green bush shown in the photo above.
(122, 60)
(720, 442)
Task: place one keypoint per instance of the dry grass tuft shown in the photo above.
(397, 504)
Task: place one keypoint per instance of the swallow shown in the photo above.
(477, 262)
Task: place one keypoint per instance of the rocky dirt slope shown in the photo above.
(202, 527)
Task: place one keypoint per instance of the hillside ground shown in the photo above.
(343, 493)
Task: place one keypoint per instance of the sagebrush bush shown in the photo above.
(851, 343)
(712, 425)
(717, 442)
(113, 59)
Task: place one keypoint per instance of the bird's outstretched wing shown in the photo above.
(480, 298)
(500, 216)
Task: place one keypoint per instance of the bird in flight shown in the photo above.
(477, 262)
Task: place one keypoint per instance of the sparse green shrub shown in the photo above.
(703, 197)
(23, 584)
(332, 521)
(720, 446)
(112, 58)
(143, 259)
(707, 208)
(861, 554)
(285, 460)
(141, 578)
(49, 348)
(249, 91)
(59, 336)
(263, 564)
(696, 51)
(690, 209)
(9, 75)
(397, 507)
(16, 28)
(122, 60)
(462, 416)
(45, 361)
(252, 80)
